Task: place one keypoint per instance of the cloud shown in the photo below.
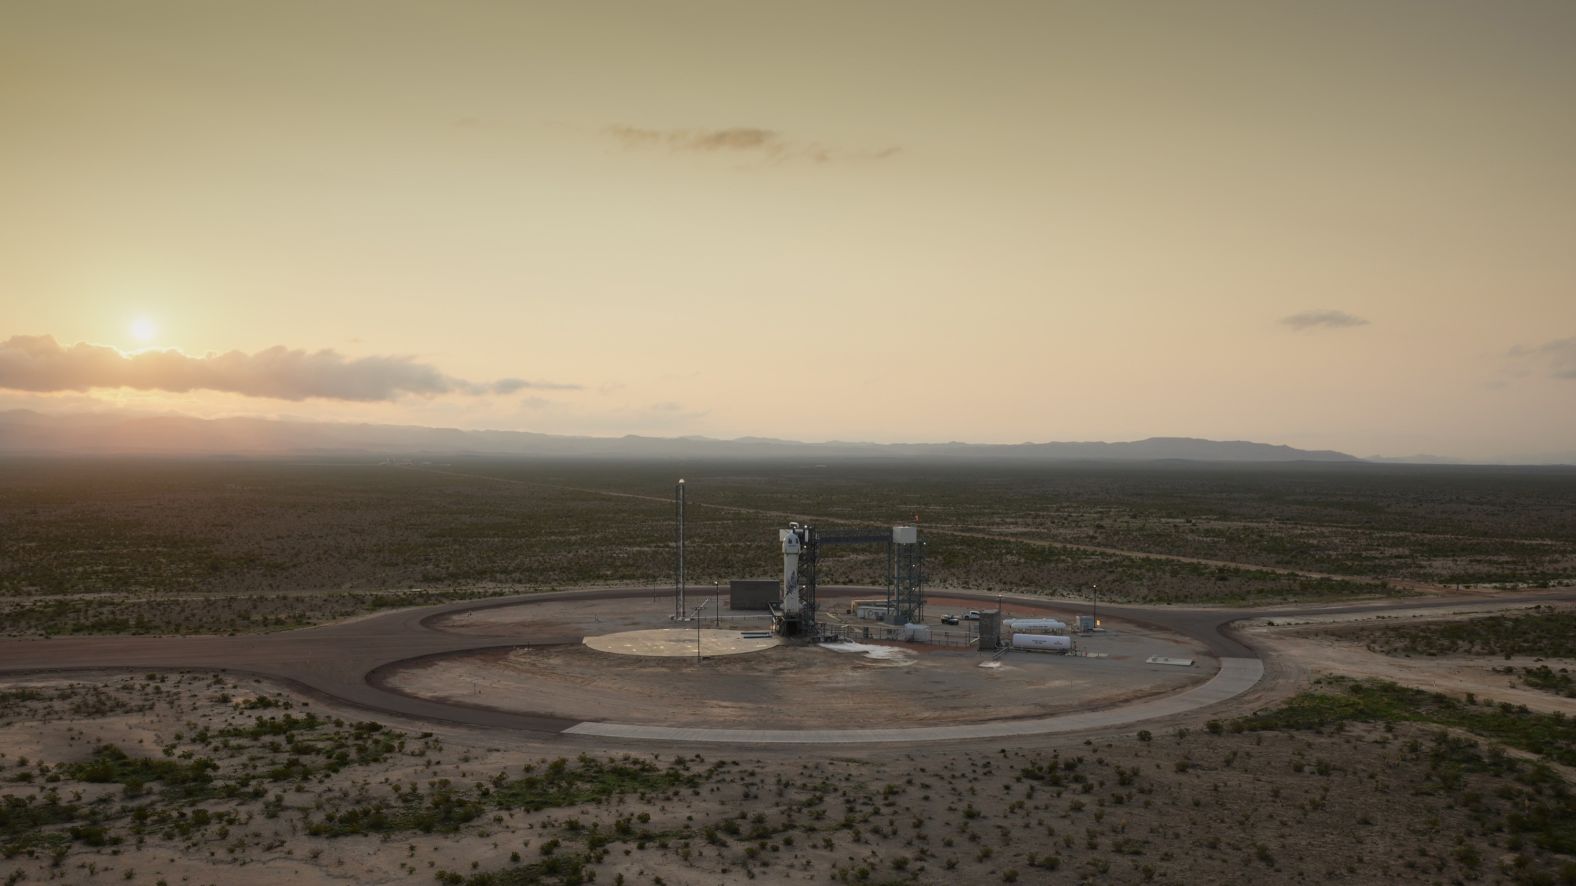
(1322, 319)
(766, 143)
(39, 363)
(1559, 355)
(511, 385)
(562, 417)
(735, 139)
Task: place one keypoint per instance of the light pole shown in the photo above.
(716, 601)
(697, 630)
(1096, 589)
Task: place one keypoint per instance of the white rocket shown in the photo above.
(792, 544)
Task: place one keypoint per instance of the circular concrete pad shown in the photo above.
(679, 642)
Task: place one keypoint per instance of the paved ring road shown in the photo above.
(342, 661)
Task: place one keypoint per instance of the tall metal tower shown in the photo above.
(678, 574)
(906, 576)
(801, 545)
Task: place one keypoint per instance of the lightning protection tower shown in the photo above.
(679, 613)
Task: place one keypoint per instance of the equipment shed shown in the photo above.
(753, 594)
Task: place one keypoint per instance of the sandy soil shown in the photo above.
(1321, 649)
(682, 642)
(1182, 808)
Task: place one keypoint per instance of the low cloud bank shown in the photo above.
(1559, 355)
(1323, 319)
(767, 143)
(41, 364)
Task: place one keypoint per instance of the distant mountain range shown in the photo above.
(1419, 459)
(24, 432)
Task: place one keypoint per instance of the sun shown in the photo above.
(143, 329)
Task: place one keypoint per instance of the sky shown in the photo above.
(1344, 225)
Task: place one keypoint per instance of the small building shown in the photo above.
(754, 594)
(990, 629)
(873, 612)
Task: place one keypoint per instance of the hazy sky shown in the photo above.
(1335, 225)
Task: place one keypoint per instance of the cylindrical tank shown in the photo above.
(1036, 624)
(1042, 642)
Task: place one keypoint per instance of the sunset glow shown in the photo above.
(700, 441)
(1340, 225)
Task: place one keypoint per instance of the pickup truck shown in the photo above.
(974, 615)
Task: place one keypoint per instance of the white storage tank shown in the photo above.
(1042, 642)
(916, 633)
(1036, 624)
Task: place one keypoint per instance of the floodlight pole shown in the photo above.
(716, 601)
(1096, 589)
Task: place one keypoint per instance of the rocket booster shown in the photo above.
(792, 544)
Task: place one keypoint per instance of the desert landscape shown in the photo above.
(263, 543)
(1458, 698)
(700, 442)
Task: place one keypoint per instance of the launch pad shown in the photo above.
(682, 642)
(627, 663)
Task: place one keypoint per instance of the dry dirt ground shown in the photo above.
(1182, 807)
(1327, 646)
(301, 790)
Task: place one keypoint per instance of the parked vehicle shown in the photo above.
(949, 619)
(974, 615)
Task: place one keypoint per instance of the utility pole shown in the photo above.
(716, 601)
